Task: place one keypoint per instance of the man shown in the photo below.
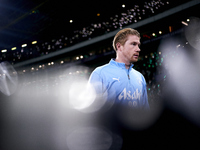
(117, 80)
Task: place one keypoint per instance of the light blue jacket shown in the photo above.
(114, 82)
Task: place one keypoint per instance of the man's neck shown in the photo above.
(127, 65)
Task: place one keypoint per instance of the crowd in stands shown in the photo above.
(129, 16)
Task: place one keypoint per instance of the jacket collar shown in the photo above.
(121, 65)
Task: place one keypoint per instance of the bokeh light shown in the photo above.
(81, 95)
(137, 119)
(192, 32)
(89, 138)
(8, 78)
(181, 91)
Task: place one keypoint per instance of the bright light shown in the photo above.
(34, 42)
(85, 97)
(184, 84)
(71, 21)
(9, 80)
(4, 50)
(170, 28)
(24, 45)
(188, 20)
(153, 34)
(123, 6)
(14, 48)
(178, 45)
(183, 22)
(160, 32)
(192, 33)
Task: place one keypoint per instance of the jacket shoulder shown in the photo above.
(102, 69)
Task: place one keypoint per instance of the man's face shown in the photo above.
(130, 50)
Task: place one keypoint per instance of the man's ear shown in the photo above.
(118, 46)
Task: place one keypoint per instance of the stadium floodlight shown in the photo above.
(14, 48)
(24, 45)
(4, 50)
(34, 42)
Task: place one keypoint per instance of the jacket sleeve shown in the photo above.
(97, 83)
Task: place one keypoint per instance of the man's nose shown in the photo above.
(138, 49)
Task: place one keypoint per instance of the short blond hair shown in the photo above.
(122, 35)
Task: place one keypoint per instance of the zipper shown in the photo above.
(127, 72)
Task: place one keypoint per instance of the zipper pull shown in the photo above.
(128, 77)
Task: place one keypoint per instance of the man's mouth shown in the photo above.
(136, 55)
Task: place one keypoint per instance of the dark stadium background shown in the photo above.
(86, 41)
